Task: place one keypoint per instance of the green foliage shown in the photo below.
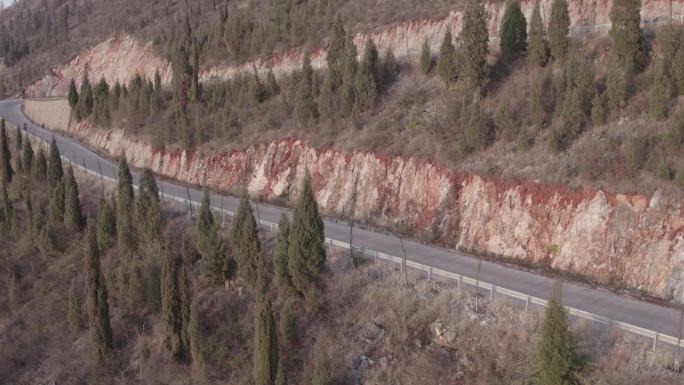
(616, 86)
(75, 312)
(506, 128)
(136, 290)
(348, 97)
(636, 151)
(55, 177)
(215, 262)
(570, 124)
(195, 334)
(664, 171)
(56, 203)
(304, 104)
(40, 167)
(598, 109)
(447, 63)
(678, 71)
(537, 50)
(661, 92)
(106, 224)
(579, 78)
(541, 100)
(102, 103)
(287, 326)
(86, 99)
(125, 234)
(306, 254)
(153, 287)
(474, 39)
(72, 95)
(365, 87)
(674, 136)
(5, 156)
(336, 52)
(171, 305)
(679, 178)
(513, 35)
(19, 165)
(27, 158)
(97, 300)
(282, 275)
(73, 218)
(425, 58)
(555, 362)
(244, 238)
(628, 42)
(389, 71)
(558, 30)
(265, 343)
(326, 99)
(477, 133)
(147, 208)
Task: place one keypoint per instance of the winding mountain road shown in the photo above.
(661, 319)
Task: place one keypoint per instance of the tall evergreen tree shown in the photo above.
(554, 354)
(447, 66)
(336, 51)
(72, 95)
(215, 264)
(304, 104)
(559, 27)
(246, 244)
(86, 100)
(477, 133)
(125, 234)
(106, 224)
(616, 85)
(5, 156)
(537, 50)
(171, 305)
(194, 333)
(598, 109)
(73, 218)
(513, 36)
(265, 343)
(147, 208)
(661, 92)
(27, 158)
(306, 254)
(425, 58)
(18, 144)
(282, 275)
(74, 312)
(475, 44)
(40, 165)
(8, 211)
(628, 41)
(55, 176)
(98, 302)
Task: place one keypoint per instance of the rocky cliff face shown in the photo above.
(122, 57)
(628, 239)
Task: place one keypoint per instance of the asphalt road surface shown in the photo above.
(651, 316)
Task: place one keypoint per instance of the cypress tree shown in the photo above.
(537, 50)
(475, 44)
(31, 222)
(185, 295)
(336, 51)
(18, 146)
(628, 45)
(215, 262)
(72, 95)
(153, 287)
(124, 209)
(86, 100)
(8, 210)
(390, 69)
(73, 218)
(246, 244)
(98, 303)
(265, 343)
(40, 165)
(5, 156)
(477, 133)
(282, 274)
(147, 208)
(598, 110)
(194, 332)
(106, 224)
(425, 58)
(306, 254)
(170, 305)
(365, 87)
(287, 326)
(55, 176)
(136, 289)
(616, 86)
(27, 158)
(326, 100)
(661, 92)
(348, 97)
(447, 67)
(554, 355)
(304, 106)
(513, 36)
(74, 315)
(559, 27)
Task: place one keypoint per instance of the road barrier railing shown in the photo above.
(406, 263)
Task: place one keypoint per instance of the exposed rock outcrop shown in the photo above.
(628, 239)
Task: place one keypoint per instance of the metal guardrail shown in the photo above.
(405, 263)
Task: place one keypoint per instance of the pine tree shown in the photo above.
(31, 221)
(55, 176)
(74, 314)
(513, 36)
(170, 305)
(18, 144)
(5, 156)
(306, 254)
(72, 95)
(616, 86)
(475, 45)
(215, 262)
(98, 303)
(8, 211)
(195, 335)
(136, 291)
(559, 27)
(287, 327)
(537, 50)
(554, 354)
(265, 343)
(661, 92)
(326, 101)
(625, 32)
(106, 224)
(246, 244)
(39, 167)
(73, 218)
(447, 66)
(348, 97)
(477, 133)
(336, 51)
(598, 110)
(390, 69)
(282, 274)
(124, 209)
(86, 99)
(147, 208)
(304, 106)
(153, 287)
(27, 158)
(365, 87)
(425, 58)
